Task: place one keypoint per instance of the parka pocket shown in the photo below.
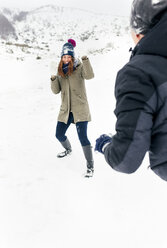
(62, 95)
(82, 98)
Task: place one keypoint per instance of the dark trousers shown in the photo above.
(81, 130)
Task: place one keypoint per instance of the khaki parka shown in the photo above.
(73, 92)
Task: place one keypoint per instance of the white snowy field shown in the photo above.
(45, 201)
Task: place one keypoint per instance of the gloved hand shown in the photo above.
(101, 141)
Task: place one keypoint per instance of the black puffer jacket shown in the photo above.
(141, 108)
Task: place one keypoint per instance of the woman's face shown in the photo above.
(66, 59)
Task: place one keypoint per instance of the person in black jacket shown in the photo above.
(141, 95)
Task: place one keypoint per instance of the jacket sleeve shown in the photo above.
(55, 85)
(135, 105)
(87, 71)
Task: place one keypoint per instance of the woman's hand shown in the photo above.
(53, 77)
(84, 58)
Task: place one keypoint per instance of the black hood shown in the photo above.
(155, 41)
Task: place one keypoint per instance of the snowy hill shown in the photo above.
(6, 28)
(42, 31)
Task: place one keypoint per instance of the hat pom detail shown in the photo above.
(73, 43)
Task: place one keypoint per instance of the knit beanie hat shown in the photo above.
(145, 14)
(68, 48)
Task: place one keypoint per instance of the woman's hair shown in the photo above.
(70, 68)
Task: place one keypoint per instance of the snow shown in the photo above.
(45, 201)
(154, 2)
(42, 31)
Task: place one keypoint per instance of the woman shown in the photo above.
(74, 107)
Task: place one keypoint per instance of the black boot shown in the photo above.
(66, 144)
(89, 158)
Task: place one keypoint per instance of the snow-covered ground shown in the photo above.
(41, 31)
(45, 201)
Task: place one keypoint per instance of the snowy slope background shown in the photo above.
(45, 202)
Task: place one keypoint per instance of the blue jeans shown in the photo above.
(81, 130)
